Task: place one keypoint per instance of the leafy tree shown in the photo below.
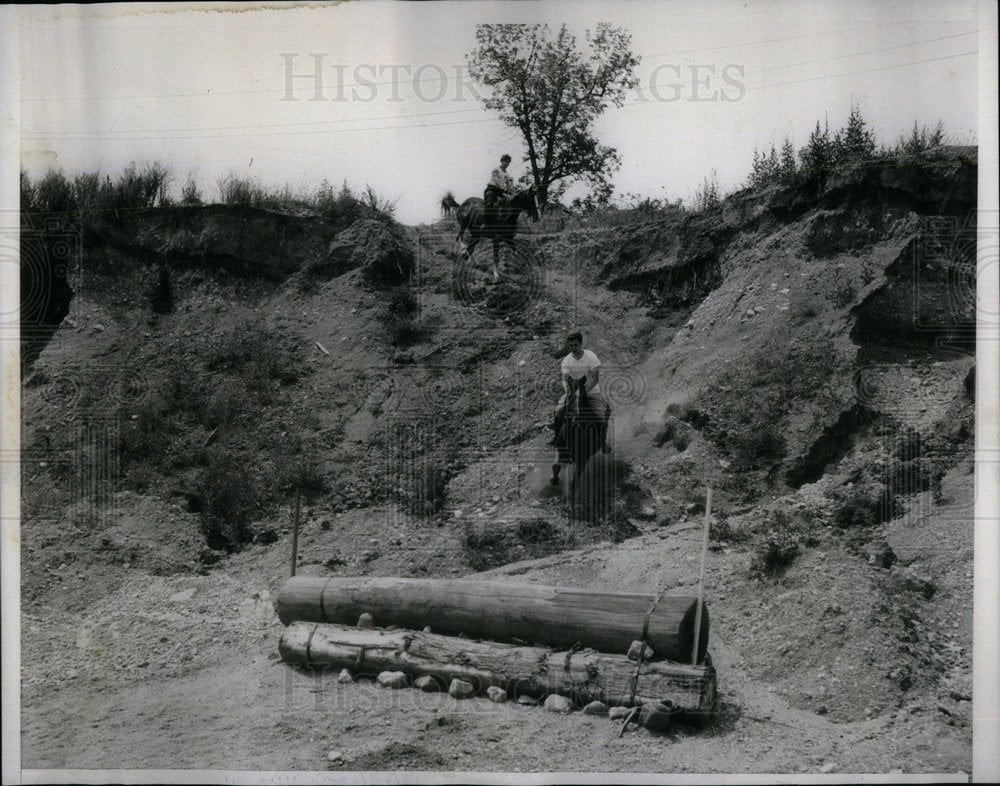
(550, 91)
(27, 192)
(53, 194)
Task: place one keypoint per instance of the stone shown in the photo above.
(496, 694)
(596, 708)
(427, 683)
(345, 676)
(460, 689)
(392, 679)
(637, 647)
(365, 621)
(828, 767)
(656, 716)
(528, 701)
(182, 596)
(879, 554)
(556, 703)
(619, 713)
(334, 756)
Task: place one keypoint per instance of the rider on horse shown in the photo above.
(582, 365)
(499, 189)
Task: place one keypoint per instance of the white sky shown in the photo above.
(201, 90)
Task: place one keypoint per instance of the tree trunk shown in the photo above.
(582, 675)
(518, 613)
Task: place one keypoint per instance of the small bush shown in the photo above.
(843, 293)
(707, 197)
(858, 505)
(491, 544)
(190, 193)
(807, 309)
(772, 557)
(399, 315)
(259, 353)
(378, 206)
(137, 188)
(228, 501)
(868, 272)
(54, 194)
(235, 190)
(724, 532)
(342, 207)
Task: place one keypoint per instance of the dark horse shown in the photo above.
(582, 442)
(500, 226)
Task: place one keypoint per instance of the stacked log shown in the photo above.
(582, 675)
(511, 613)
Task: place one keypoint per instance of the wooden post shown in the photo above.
(701, 578)
(295, 531)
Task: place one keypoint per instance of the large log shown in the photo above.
(532, 613)
(583, 675)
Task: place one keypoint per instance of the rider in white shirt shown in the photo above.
(579, 364)
(500, 187)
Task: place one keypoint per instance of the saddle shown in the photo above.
(494, 201)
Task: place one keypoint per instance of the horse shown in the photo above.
(582, 442)
(501, 226)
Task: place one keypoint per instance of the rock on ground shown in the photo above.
(427, 683)
(557, 703)
(655, 716)
(393, 679)
(460, 689)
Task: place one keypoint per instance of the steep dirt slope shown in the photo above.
(805, 350)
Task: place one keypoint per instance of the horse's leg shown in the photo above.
(467, 254)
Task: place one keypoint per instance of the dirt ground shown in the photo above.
(138, 653)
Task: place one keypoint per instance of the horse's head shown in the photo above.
(577, 402)
(527, 201)
(533, 209)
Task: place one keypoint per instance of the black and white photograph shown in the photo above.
(500, 392)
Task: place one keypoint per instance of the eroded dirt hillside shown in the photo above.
(807, 350)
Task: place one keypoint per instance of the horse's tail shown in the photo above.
(448, 204)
